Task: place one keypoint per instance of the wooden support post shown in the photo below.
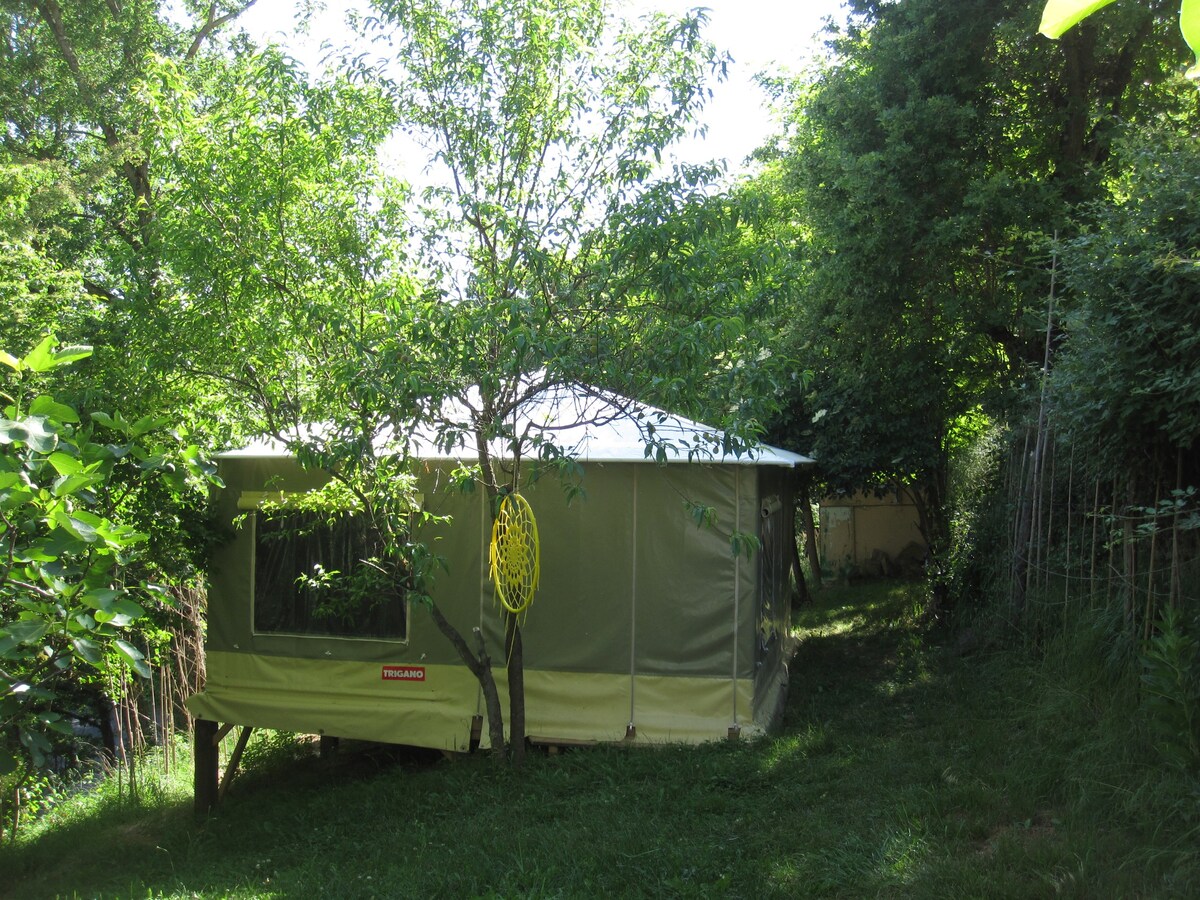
(204, 747)
(234, 760)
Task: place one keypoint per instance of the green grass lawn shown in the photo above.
(902, 770)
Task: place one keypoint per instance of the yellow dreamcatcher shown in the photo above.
(515, 554)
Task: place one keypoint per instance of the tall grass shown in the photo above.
(904, 768)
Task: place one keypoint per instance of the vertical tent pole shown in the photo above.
(485, 530)
(631, 728)
(737, 591)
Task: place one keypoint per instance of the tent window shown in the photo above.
(319, 575)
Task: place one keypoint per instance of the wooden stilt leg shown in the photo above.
(205, 750)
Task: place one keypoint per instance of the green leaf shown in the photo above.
(7, 645)
(136, 659)
(31, 431)
(1059, 16)
(103, 598)
(87, 649)
(37, 745)
(26, 631)
(51, 409)
(76, 527)
(129, 608)
(131, 652)
(73, 484)
(15, 364)
(41, 438)
(13, 432)
(71, 353)
(146, 424)
(121, 614)
(56, 722)
(41, 357)
(1189, 24)
(64, 464)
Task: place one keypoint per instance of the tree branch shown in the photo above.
(97, 290)
(211, 24)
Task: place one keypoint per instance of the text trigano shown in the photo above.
(403, 673)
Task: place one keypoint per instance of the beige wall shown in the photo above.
(854, 528)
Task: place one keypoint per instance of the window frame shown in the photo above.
(250, 503)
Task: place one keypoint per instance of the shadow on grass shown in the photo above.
(901, 770)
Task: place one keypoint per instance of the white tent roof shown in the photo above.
(590, 426)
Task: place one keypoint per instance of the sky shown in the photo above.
(771, 35)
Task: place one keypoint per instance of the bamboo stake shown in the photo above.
(119, 745)
(1112, 563)
(1176, 589)
(1035, 520)
(131, 725)
(1148, 625)
(1095, 526)
(1129, 554)
(1067, 555)
(1017, 576)
(1031, 514)
(1044, 551)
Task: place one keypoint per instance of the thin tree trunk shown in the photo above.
(802, 504)
(802, 593)
(810, 540)
(1020, 537)
(481, 668)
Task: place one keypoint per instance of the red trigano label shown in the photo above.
(403, 673)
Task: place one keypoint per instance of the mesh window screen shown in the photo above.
(321, 577)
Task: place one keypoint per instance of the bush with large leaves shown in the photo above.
(69, 610)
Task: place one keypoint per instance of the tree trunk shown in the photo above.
(804, 505)
(801, 595)
(481, 668)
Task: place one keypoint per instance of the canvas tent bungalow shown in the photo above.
(646, 627)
